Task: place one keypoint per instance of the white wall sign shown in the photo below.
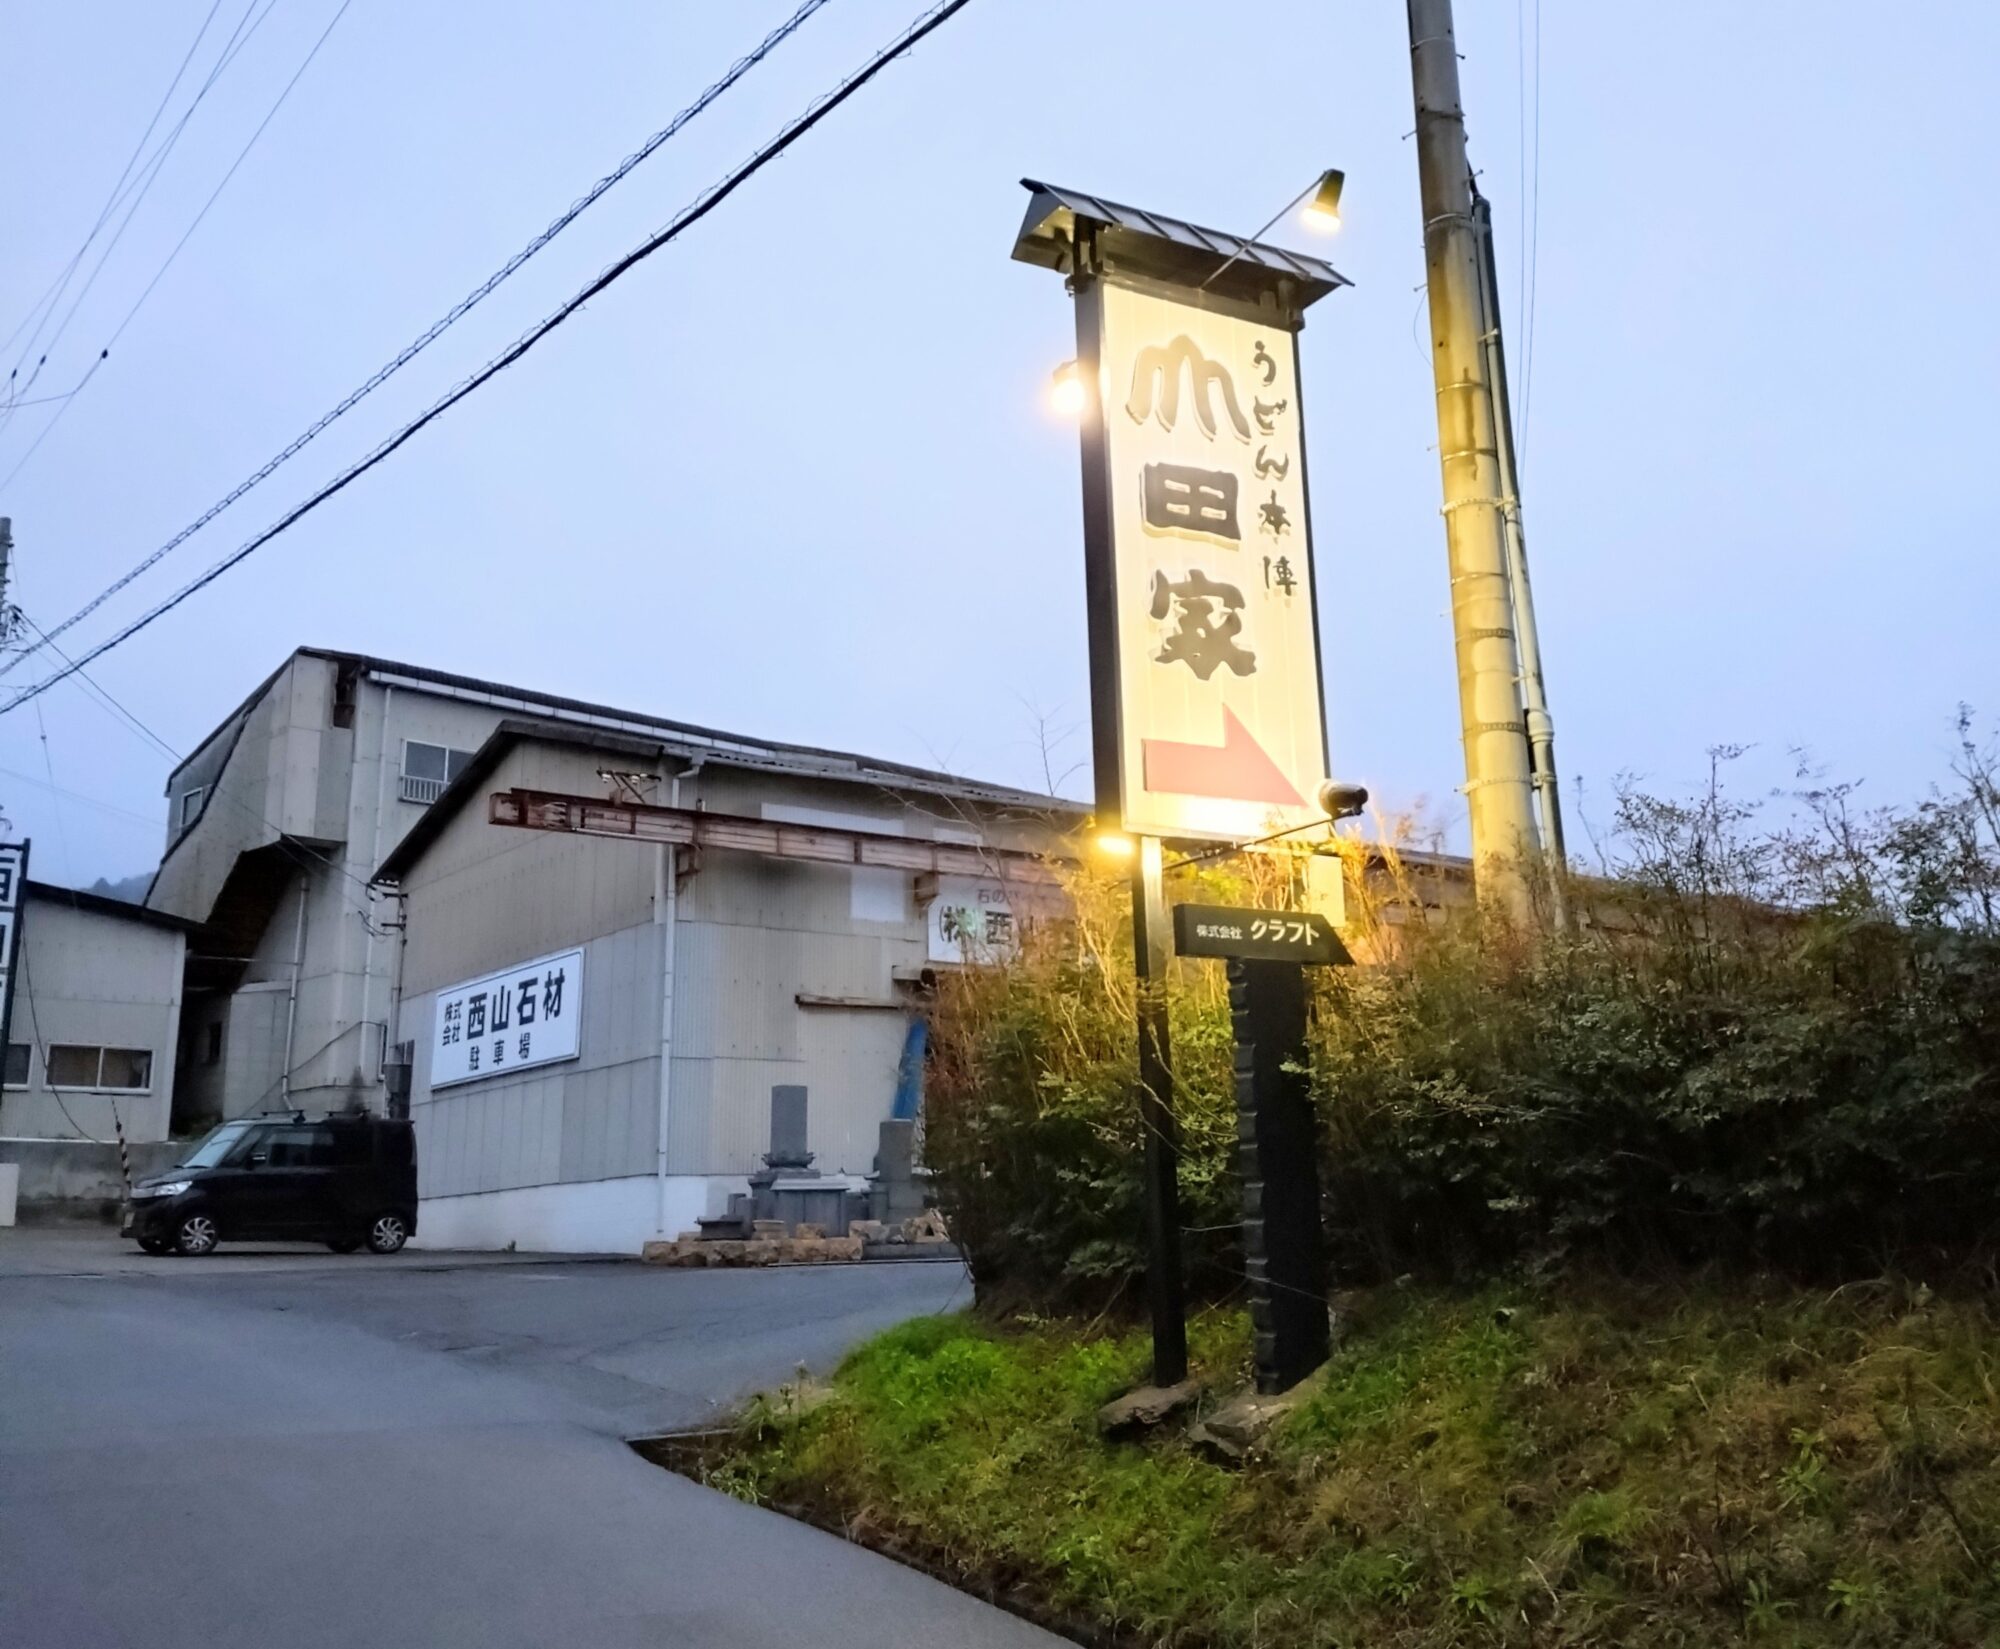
(1222, 732)
(970, 921)
(526, 1015)
(13, 893)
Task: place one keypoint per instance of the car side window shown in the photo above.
(301, 1145)
(254, 1143)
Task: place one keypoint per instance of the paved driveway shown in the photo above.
(302, 1449)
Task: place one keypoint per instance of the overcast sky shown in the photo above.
(796, 478)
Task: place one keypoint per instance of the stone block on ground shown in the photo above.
(1145, 1408)
(689, 1251)
(768, 1230)
(928, 1226)
(1236, 1430)
(867, 1230)
(809, 1230)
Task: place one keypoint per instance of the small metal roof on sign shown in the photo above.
(1145, 243)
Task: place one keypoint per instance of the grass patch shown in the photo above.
(1596, 1466)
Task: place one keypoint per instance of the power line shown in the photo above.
(703, 204)
(53, 293)
(1534, 252)
(139, 188)
(42, 1048)
(458, 311)
(55, 806)
(81, 799)
(166, 264)
(301, 855)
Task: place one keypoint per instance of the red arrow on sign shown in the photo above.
(1238, 769)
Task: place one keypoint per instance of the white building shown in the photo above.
(787, 970)
(596, 1021)
(91, 1050)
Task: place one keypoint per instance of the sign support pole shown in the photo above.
(1284, 1252)
(1165, 1287)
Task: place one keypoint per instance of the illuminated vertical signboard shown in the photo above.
(1221, 732)
(1208, 719)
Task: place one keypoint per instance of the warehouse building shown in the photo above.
(615, 948)
(279, 818)
(342, 764)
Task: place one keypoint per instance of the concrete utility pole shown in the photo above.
(6, 569)
(1499, 789)
(1534, 690)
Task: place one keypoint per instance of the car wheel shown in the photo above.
(387, 1233)
(344, 1245)
(153, 1245)
(195, 1235)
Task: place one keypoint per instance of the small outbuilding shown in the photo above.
(92, 1045)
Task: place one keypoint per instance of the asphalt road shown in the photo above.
(301, 1449)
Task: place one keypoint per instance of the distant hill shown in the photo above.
(132, 889)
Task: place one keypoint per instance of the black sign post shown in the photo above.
(1284, 1249)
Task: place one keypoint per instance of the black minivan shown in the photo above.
(344, 1180)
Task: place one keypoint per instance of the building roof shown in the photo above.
(471, 779)
(473, 775)
(99, 904)
(1146, 243)
(683, 738)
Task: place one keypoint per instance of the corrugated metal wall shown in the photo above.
(753, 936)
(588, 1119)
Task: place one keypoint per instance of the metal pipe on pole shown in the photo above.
(292, 1000)
(1534, 691)
(666, 916)
(1498, 781)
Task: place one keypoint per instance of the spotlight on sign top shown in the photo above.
(1323, 210)
(1066, 390)
(1342, 801)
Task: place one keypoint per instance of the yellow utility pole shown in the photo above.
(1499, 783)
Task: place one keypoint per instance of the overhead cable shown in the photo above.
(53, 291)
(437, 328)
(167, 263)
(703, 204)
(138, 188)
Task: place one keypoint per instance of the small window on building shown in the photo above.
(214, 1056)
(71, 1065)
(16, 1074)
(191, 801)
(428, 768)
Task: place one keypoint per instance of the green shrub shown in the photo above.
(1761, 1045)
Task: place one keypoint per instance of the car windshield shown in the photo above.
(213, 1149)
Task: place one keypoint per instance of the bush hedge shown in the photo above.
(1762, 1043)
